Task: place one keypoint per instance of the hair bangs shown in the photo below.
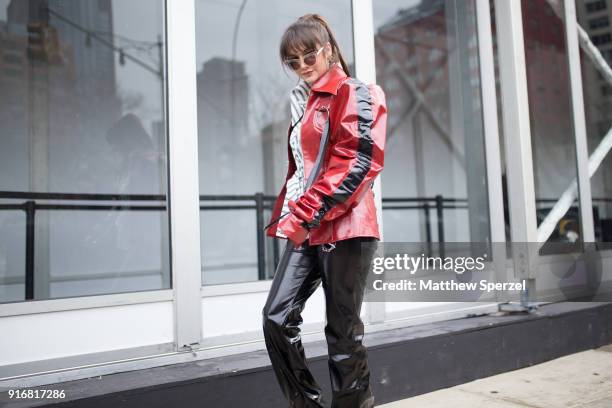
(298, 39)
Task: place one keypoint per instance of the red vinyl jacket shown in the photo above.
(340, 203)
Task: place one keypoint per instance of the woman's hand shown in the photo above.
(295, 226)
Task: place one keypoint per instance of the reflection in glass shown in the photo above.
(82, 148)
(243, 118)
(434, 182)
(552, 136)
(597, 90)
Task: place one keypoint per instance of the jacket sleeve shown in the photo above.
(356, 157)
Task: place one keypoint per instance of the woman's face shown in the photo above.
(310, 73)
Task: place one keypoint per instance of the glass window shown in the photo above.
(243, 118)
(599, 22)
(82, 148)
(597, 91)
(601, 39)
(434, 184)
(593, 6)
(552, 135)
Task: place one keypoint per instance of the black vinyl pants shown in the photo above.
(343, 271)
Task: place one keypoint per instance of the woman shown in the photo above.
(327, 221)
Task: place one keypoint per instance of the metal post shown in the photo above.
(579, 122)
(261, 249)
(183, 173)
(276, 248)
(492, 148)
(427, 227)
(440, 217)
(365, 67)
(30, 210)
(517, 139)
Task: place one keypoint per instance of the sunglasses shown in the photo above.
(309, 59)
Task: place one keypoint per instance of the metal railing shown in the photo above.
(259, 203)
(30, 206)
(426, 204)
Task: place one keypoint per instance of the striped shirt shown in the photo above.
(295, 185)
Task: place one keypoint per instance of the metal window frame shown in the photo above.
(519, 158)
(237, 288)
(111, 299)
(183, 172)
(580, 136)
(364, 56)
(365, 69)
(579, 122)
(183, 196)
(493, 158)
(84, 302)
(363, 51)
(362, 11)
(490, 120)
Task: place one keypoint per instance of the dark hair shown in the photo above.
(306, 33)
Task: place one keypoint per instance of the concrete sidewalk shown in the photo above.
(581, 380)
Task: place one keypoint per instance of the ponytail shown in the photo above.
(336, 53)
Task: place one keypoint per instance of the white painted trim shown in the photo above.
(365, 67)
(84, 302)
(492, 149)
(183, 171)
(236, 288)
(579, 122)
(490, 121)
(517, 136)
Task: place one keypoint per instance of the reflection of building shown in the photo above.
(13, 80)
(275, 151)
(400, 58)
(94, 62)
(420, 52)
(32, 92)
(58, 100)
(597, 22)
(226, 148)
(230, 162)
(415, 42)
(553, 147)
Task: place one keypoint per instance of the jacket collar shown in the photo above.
(329, 81)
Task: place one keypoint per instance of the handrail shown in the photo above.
(262, 203)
